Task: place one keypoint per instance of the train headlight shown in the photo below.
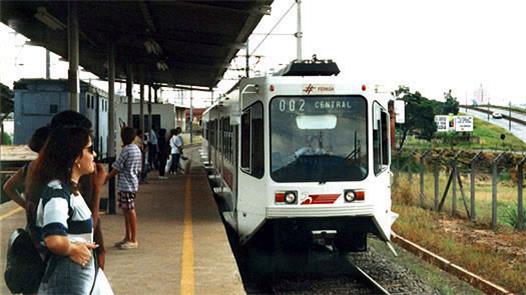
(349, 196)
(290, 197)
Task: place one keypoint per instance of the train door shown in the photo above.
(251, 201)
(381, 160)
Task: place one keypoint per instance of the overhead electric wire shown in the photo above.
(261, 42)
(275, 25)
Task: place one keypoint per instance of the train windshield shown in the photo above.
(318, 138)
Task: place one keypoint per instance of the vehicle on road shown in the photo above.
(496, 115)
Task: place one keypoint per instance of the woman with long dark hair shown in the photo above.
(90, 185)
(59, 216)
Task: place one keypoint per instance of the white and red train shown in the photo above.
(304, 156)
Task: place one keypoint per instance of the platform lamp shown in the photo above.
(49, 20)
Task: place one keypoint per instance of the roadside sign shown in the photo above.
(442, 123)
(454, 123)
(399, 107)
(464, 123)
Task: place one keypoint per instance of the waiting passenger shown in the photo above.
(128, 166)
(62, 217)
(176, 145)
(138, 141)
(90, 185)
(153, 149)
(164, 152)
(15, 185)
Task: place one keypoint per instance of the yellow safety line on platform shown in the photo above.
(187, 257)
(12, 212)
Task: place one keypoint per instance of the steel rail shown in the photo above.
(372, 281)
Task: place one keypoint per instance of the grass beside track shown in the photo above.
(424, 227)
(439, 280)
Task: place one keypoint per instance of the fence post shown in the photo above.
(436, 175)
(422, 168)
(494, 191)
(409, 168)
(472, 187)
(454, 188)
(520, 206)
(454, 175)
(472, 190)
(398, 152)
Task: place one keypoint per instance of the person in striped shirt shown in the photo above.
(128, 166)
(62, 219)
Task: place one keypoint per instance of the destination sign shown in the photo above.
(321, 104)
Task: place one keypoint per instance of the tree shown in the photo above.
(451, 106)
(419, 115)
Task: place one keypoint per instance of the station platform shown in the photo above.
(183, 246)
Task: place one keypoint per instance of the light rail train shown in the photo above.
(302, 156)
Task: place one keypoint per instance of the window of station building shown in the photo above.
(252, 157)
(380, 138)
(53, 108)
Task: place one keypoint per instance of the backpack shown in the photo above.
(24, 266)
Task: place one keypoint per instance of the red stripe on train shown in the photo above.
(320, 199)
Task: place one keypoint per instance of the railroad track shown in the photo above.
(358, 283)
(331, 273)
(377, 286)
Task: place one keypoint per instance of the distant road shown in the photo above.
(520, 116)
(504, 112)
(517, 129)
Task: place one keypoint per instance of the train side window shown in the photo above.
(257, 140)
(385, 138)
(252, 153)
(245, 141)
(207, 131)
(380, 141)
(213, 133)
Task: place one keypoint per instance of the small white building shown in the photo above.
(163, 116)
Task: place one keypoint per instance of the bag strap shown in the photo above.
(95, 261)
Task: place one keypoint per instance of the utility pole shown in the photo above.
(299, 33)
(247, 59)
(466, 108)
(482, 97)
(509, 116)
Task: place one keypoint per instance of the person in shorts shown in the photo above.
(128, 166)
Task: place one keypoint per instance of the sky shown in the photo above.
(430, 46)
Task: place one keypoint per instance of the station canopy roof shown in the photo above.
(170, 42)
